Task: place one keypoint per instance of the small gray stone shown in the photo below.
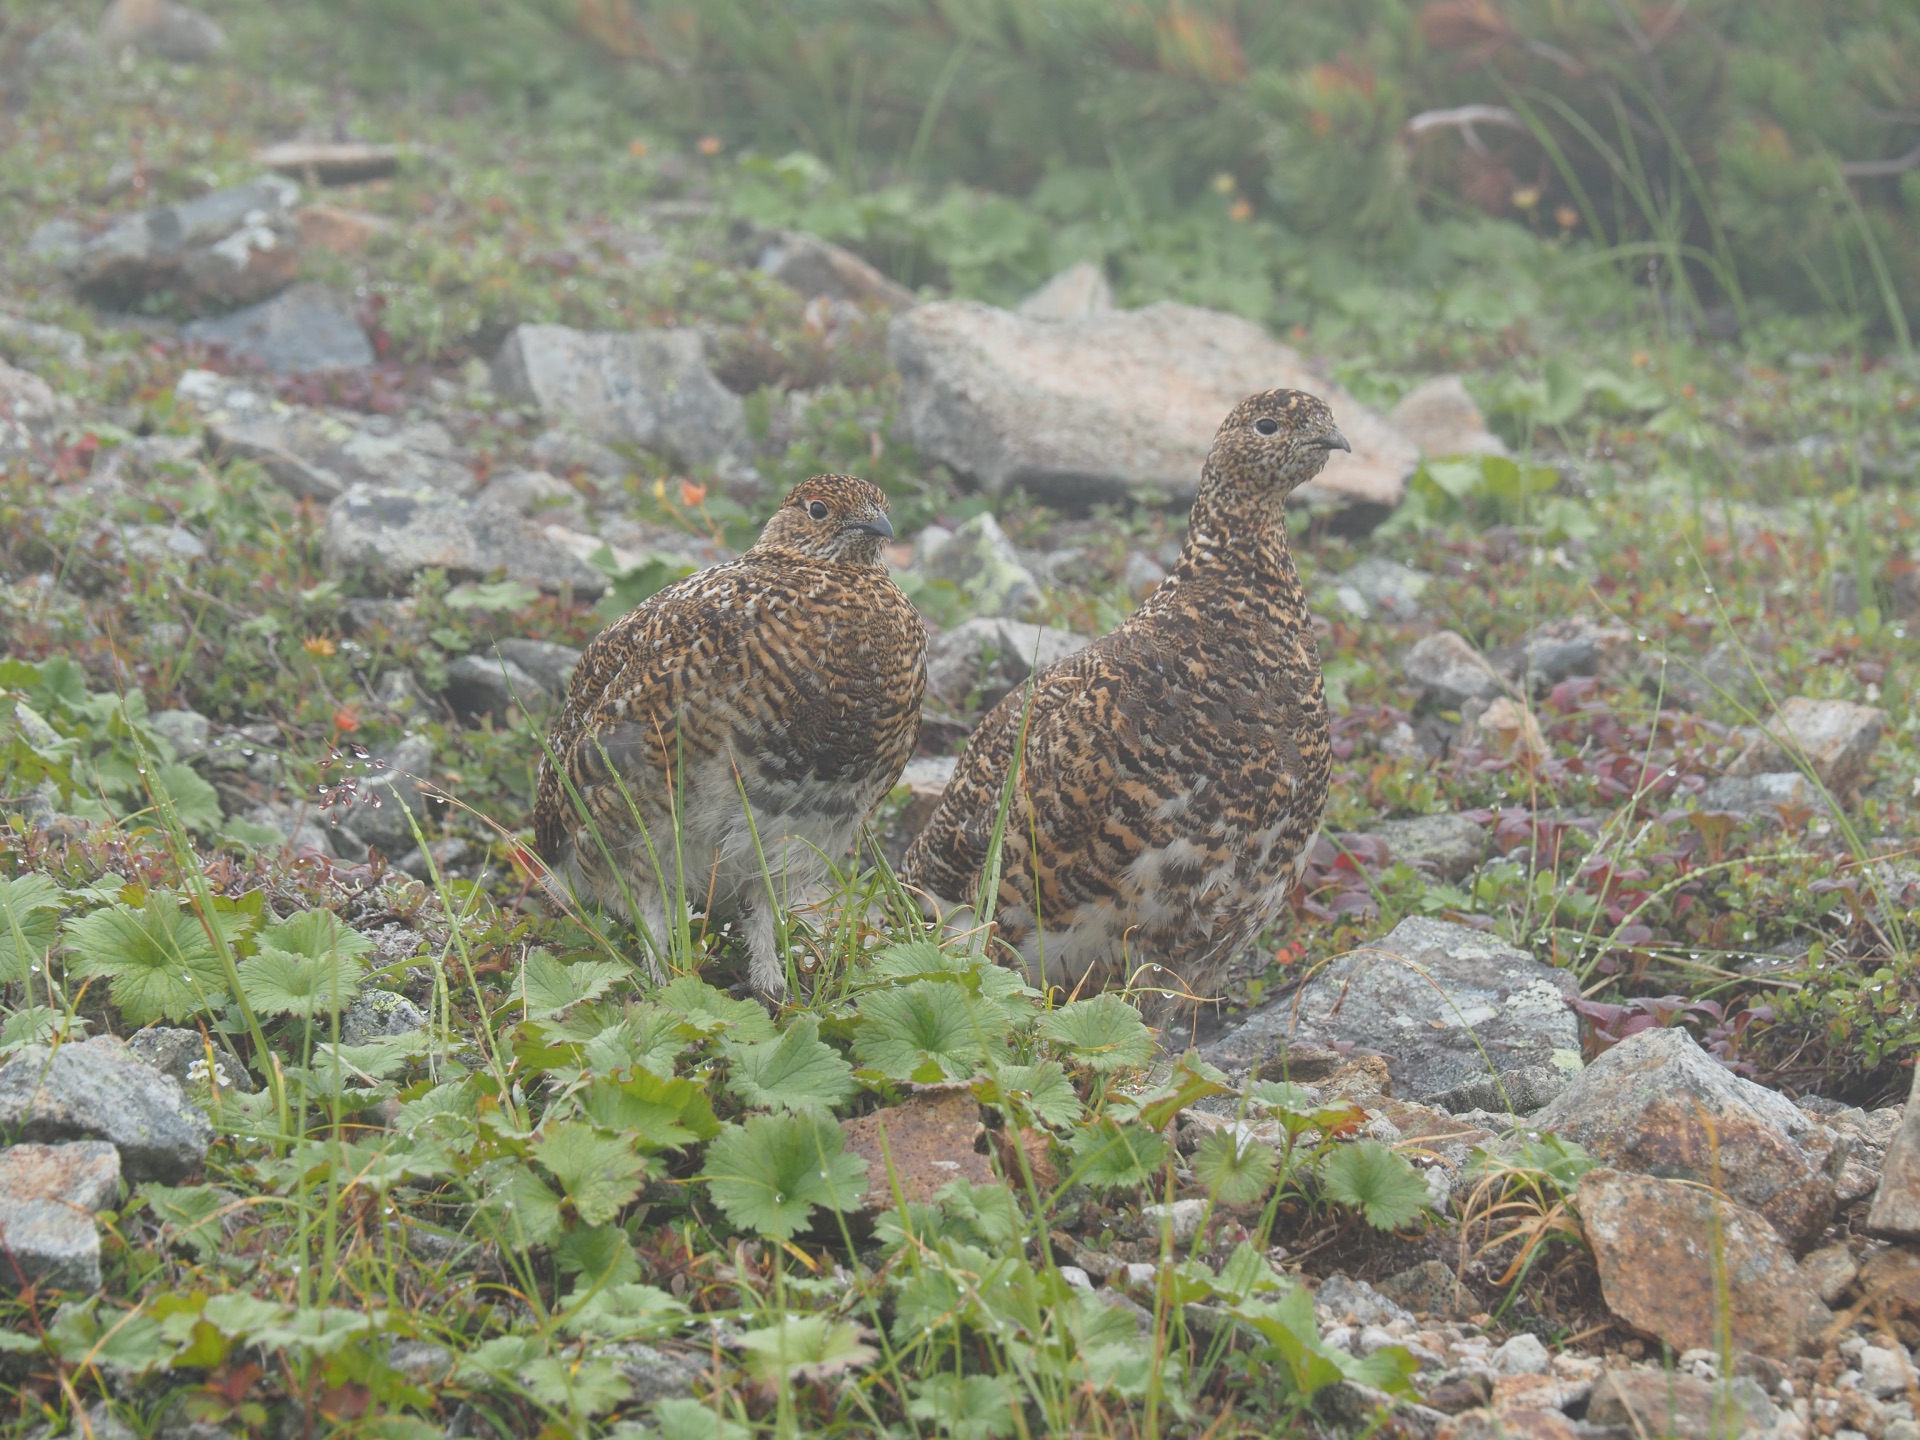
(980, 561)
(1463, 1020)
(298, 825)
(1441, 418)
(1884, 1373)
(1451, 846)
(1076, 292)
(1183, 1216)
(493, 685)
(162, 28)
(382, 799)
(388, 536)
(441, 855)
(187, 731)
(57, 242)
(548, 662)
(1355, 1302)
(1558, 649)
(27, 415)
(1524, 1354)
(98, 1090)
(48, 1196)
(421, 1361)
(181, 1053)
(1836, 738)
(1382, 587)
(1896, 1201)
(306, 327)
(655, 1374)
(1141, 573)
(1451, 671)
(23, 341)
(818, 267)
(1763, 796)
(316, 455)
(992, 655)
(535, 493)
(566, 451)
(377, 1014)
(650, 388)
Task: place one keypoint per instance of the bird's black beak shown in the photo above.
(1334, 440)
(875, 525)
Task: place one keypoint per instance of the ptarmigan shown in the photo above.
(793, 674)
(1174, 772)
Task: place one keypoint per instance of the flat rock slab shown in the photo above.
(48, 1197)
(389, 535)
(303, 328)
(1451, 846)
(232, 247)
(99, 1090)
(1462, 1020)
(1836, 737)
(1102, 405)
(1678, 1263)
(928, 1143)
(649, 388)
(1672, 1403)
(1657, 1104)
(813, 266)
(1896, 1203)
(324, 162)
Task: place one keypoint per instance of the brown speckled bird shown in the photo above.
(1174, 772)
(793, 673)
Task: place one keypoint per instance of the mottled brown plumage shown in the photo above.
(794, 672)
(1174, 772)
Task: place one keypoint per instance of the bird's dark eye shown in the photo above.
(1267, 425)
(818, 510)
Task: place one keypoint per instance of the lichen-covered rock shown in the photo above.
(980, 561)
(306, 327)
(992, 655)
(387, 536)
(48, 1196)
(99, 1090)
(1450, 671)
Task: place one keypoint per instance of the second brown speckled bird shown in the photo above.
(1174, 772)
(793, 674)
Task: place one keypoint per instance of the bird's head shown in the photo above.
(831, 517)
(1278, 438)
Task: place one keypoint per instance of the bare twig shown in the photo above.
(1881, 169)
(1464, 118)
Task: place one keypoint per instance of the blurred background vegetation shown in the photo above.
(1744, 157)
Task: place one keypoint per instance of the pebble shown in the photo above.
(1523, 1355)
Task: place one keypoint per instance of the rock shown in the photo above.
(1449, 846)
(1431, 997)
(1508, 728)
(1896, 1202)
(817, 267)
(330, 162)
(1512, 1422)
(377, 1014)
(1450, 671)
(1440, 418)
(1837, 738)
(481, 684)
(1183, 1218)
(337, 230)
(1657, 1104)
(655, 1374)
(1884, 1373)
(182, 1054)
(58, 50)
(387, 536)
(1104, 406)
(421, 1361)
(1765, 795)
(980, 560)
(568, 452)
(307, 327)
(162, 28)
(992, 656)
(295, 825)
(1378, 586)
(27, 414)
(1672, 1403)
(441, 856)
(187, 731)
(98, 1090)
(1832, 1270)
(379, 802)
(1076, 292)
(1429, 1288)
(536, 493)
(1554, 651)
(1680, 1263)
(48, 1197)
(548, 662)
(24, 341)
(233, 247)
(1141, 573)
(1524, 1354)
(1355, 1302)
(920, 1145)
(57, 242)
(649, 388)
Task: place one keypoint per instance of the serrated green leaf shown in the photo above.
(160, 959)
(491, 597)
(966, 1407)
(29, 921)
(656, 1114)
(1233, 1165)
(598, 1171)
(627, 1312)
(678, 1418)
(1102, 1032)
(798, 1071)
(279, 982)
(804, 1347)
(318, 935)
(928, 1028)
(1370, 1178)
(1115, 1157)
(188, 1212)
(711, 1012)
(1042, 1092)
(524, 1206)
(769, 1174)
(194, 801)
(547, 987)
